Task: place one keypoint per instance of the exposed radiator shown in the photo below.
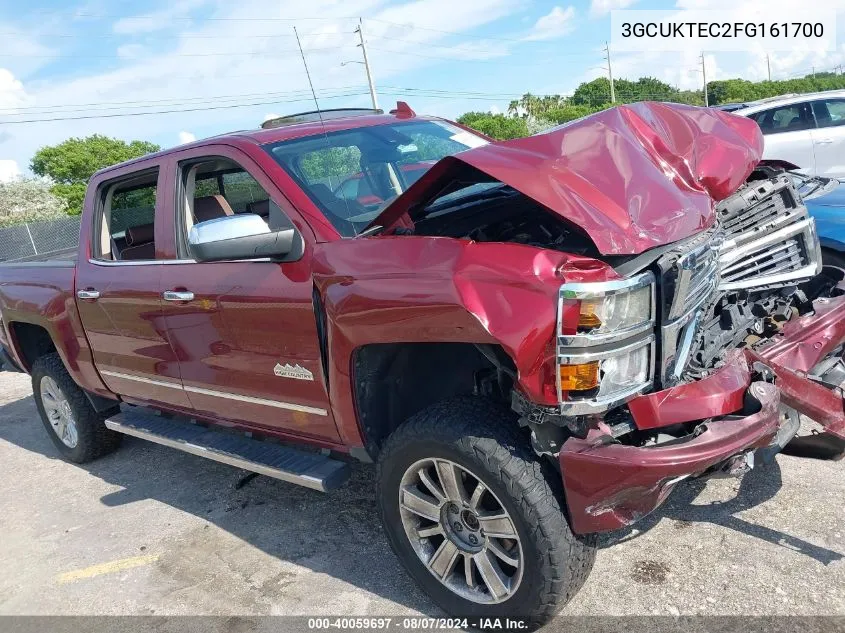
(770, 240)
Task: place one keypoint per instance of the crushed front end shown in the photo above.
(696, 362)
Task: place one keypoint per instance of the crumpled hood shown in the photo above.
(633, 177)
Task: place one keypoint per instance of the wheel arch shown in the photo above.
(30, 341)
(393, 381)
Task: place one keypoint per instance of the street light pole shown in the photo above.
(360, 32)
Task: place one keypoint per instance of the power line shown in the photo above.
(274, 53)
(105, 106)
(217, 36)
(202, 109)
(457, 47)
(424, 28)
(161, 102)
(152, 16)
(454, 59)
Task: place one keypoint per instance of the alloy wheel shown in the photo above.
(461, 531)
(59, 413)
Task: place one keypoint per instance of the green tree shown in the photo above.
(70, 164)
(497, 126)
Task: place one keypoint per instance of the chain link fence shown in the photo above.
(39, 239)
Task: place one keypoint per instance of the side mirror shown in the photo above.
(244, 236)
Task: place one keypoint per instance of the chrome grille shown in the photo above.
(770, 240)
(689, 274)
(764, 238)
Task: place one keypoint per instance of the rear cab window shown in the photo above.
(124, 221)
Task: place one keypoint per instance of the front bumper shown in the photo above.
(610, 485)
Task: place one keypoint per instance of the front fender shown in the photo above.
(395, 289)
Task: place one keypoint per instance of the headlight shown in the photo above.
(605, 351)
(593, 313)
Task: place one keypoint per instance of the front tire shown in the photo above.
(476, 518)
(74, 426)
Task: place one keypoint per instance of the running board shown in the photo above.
(312, 470)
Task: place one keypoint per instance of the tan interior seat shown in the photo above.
(211, 208)
(140, 243)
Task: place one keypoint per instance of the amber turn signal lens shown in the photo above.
(588, 319)
(579, 377)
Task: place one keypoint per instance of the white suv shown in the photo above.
(806, 130)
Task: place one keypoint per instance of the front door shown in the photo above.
(245, 332)
(118, 294)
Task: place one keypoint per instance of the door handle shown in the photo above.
(824, 141)
(88, 294)
(178, 295)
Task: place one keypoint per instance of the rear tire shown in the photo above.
(537, 571)
(74, 426)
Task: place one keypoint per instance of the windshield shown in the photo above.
(351, 175)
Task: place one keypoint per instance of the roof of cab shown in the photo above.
(287, 132)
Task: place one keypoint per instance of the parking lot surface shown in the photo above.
(150, 530)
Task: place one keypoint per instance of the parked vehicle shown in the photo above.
(535, 341)
(804, 131)
(825, 202)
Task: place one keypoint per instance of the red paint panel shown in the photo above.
(247, 317)
(807, 340)
(719, 394)
(609, 486)
(43, 296)
(633, 177)
(425, 289)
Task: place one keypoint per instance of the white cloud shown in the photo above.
(9, 170)
(216, 63)
(186, 137)
(495, 109)
(557, 23)
(599, 8)
(12, 93)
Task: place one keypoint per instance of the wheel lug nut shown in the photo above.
(472, 539)
(454, 508)
(458, 527)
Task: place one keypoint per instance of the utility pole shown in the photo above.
(610, 73)
(360, 32)
(768, 67)
(704, 75)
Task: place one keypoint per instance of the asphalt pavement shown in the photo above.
(150, 530)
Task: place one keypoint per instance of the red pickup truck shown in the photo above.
(536, 340)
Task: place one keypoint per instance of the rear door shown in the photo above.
(245, 331)
(787, 131)
(117, 288)
(829, 137)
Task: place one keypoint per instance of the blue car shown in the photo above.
(825, 200)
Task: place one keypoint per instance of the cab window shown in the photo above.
(125, 219)
(217, 187)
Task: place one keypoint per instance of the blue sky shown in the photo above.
(101, 57)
